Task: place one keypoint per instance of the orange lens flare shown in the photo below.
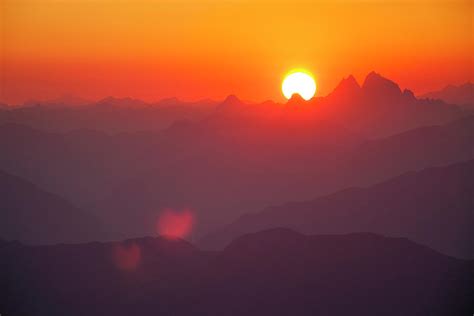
(175, 224)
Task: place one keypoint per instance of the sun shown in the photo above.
(299, 81)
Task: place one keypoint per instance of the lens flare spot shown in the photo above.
(175, 223)
(127, 257)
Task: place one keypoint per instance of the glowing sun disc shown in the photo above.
(300, 82)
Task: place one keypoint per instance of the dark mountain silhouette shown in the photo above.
(32, 215)
(462, 95)
(347, 90)
(380, 108)
(380, 89)
(296, 100)
(276, 272)
(230, 104)
(434, 207)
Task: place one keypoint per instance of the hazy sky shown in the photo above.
(195, 49)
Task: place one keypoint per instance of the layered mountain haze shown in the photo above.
(261, 171)
(206, 157)
(461, 95)
(76, 165)
(227, 159)
(32, 215)
(347, 90)
(111, 115)
(434, 207)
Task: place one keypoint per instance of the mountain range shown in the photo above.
(233, 158)
(111, 115)
(461, 95)
(378, 107)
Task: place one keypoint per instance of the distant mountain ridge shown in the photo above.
(262, 163)
(420, 205)
(111, 114)
(461, 95)
(377, 108)
(66, 100)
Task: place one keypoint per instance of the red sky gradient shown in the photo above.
(193, 49)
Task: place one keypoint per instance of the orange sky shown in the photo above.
(195, 49)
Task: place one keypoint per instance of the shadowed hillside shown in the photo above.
(276, 272)
(32, 215)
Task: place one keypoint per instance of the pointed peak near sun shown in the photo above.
(296, 99)
(350, 80)
(408, 94)
(375, 84)
(347, 85)
(374, 80)
(374, 76)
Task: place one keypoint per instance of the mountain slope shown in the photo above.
(434, 207)
(32, 215)
(275, 272)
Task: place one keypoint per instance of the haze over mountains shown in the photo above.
(275, 272)
(378, 106)
(112, 115)
(227, 159)
(35, 216)
(433, 207)
(461, 95)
